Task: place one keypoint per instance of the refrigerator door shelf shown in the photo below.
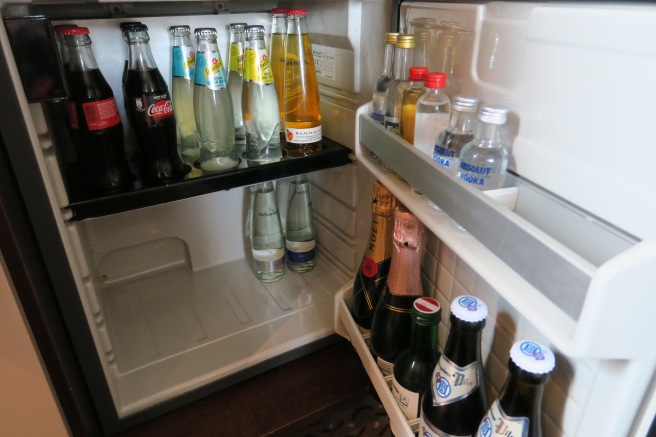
(560, 266)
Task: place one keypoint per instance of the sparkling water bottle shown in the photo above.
(267, 243)
(300, 233)
(235, 77)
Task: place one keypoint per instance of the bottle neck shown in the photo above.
(256, 42)
(388, 62)
(404, 275)
(379, 246)
(444, 57)
(461, 122)
(182, 40)
(296, 25)
(423, 337)
(463, 345)
(278, 24)
(80, 55)
(521, 394)
(488, 135)
(140, 55)
(402, 59)
(207, 44)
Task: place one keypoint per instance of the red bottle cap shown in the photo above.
(435, 80)
(279, 10)
(60, 28)
(76, 31)
(294, 12)
(417, 73)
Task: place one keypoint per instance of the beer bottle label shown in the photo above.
(257, 67)
(450, 382)
(101, 114)
(209, 70)
(428, 430)
(183, 62)
(300, 251)
(408, 401)
(236, 58)
(497, 423)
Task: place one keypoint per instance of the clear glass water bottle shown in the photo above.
(300, 233)
(301, 91)
(277, 56)
(416, 88)
(183, 64)
(484, 160)
(433, 111)
(267, 243)
(517, 411)
(259, 102)
(213, 106)
(382, 83)
(235, 76)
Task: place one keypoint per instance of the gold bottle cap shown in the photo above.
(408, 229)
(390, 37)
(422, 36)
(405, 41)
(447, 39)
(383, 201)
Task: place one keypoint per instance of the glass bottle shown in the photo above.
(394, 97)
(445, 61)
(125, 28)
(213, 106)
(484, 160)
(433, 110)
(301, 91)
(235, 79)
(277, 56)
(267, 244)
(450, 141)
(390, 327)
(382, 83)
(413, 366)
(259, 102)
(183, 63)
(517, 411)
(149, 109)
(61, 46)
(456, 399)
(416, 88)
(94, 120)
(372, 274)
(421, 54)
(300, 233)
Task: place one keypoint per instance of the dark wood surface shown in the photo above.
(277, 403)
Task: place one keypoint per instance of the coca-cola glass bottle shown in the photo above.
(95, 123)
(149, 108)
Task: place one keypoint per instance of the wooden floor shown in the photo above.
(279, 402)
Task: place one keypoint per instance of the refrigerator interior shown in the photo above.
(552, 254)
(167, 288)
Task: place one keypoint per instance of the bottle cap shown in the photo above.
(405, 41)
(464, 103)
(435, 80)
(204, 31)
(278, 11)
(447, 39)
(422, 36)
(383, 201)
(532, 357)
(254, 29)
(427, 309)
(76, 31)
(408, 230)
(390, 37)
(61, 27)
(493, 114)
(179, 29)
(237, 26)
(128, 24)
(137, 27)
(417, 73)
(469, 308)
(295, 12)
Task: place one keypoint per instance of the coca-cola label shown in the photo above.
(209, 70)
(101, 114)
(155, 106)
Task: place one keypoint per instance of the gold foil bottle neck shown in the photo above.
(391, 37)
(405, 41)
(408, 230)
(383, 201)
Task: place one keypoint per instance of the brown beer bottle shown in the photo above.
(392, 321)
(517, 411)
(371, 277)
(456, 399)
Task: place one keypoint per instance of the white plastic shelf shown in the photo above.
(562, 268)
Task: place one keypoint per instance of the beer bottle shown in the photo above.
(390, 327)
(456, 399)
(413, 366)
(371, 277)
(301, 91)
(517, 411)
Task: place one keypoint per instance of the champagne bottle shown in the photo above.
(517, 411)
(300, 234)
(456, 399)
(390, 327)
(371, 276)
(413, 366)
